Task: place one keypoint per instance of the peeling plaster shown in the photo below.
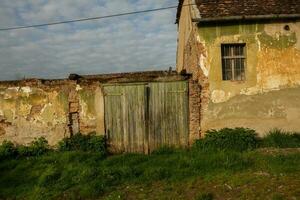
(219, 96)
(251, 91)
(202, 61)
(270, 92)
(78, 88)
(26, 89)
(16, 89)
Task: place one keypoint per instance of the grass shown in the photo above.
(224, 165)
(281, 139)
(86, 175)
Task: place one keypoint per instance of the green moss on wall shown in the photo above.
(282, 41)
(210, 33)
(229, 30)
(48, 114)
(8, 115)
(89, 98)
(62, 98)
(247, 33)
(36, 98)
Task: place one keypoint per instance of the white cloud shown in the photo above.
(128, 43)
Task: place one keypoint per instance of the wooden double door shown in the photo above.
(144, 117)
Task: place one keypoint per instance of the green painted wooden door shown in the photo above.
(168, 114)
(125, 118)
(142, 118)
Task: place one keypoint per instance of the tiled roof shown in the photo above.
(227, 8)
(231, 8)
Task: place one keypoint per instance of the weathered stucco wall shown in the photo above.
(267, 98)
(33, 109)
(184, 30)
(272, 58)
(50, 109)
(91, 101)
(55, 109)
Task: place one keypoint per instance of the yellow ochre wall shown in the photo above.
(270, 95)
(34, 109)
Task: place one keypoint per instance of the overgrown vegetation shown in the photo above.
(78, 170)
(243, 139)
(79, 142)
(7, 150)
(281, 139)
(238, 139)
(40, 146)
(36, 148)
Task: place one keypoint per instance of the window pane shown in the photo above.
(228, 69)
(237, 70)
(233, 63)
(243, 68)
(226, 50)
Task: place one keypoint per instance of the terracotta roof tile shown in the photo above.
(227, 8)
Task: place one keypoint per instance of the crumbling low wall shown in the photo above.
(55, 109)
(33, 108)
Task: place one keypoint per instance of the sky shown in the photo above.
(130, 43)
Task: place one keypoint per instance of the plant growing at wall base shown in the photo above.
(38, 147)
(281, 139)
(237, 139)
(7, 150)
(79, 142)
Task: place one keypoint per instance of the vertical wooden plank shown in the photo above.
(159, 109)
(125, 117)
(125, 120)
(168, 111)
(146, 118)
(152, 116)
(177, 91)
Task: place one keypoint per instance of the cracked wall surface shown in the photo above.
(56, 109)
(53, 109)
(268, 97)
(33, 109)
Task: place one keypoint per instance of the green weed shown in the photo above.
(238, 139)
(281, 139)
(79, 142)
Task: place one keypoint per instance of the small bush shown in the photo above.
(36, 148)
(97, 144)
(7, 150)
(79, 142)
(281, 139)
(238, 139)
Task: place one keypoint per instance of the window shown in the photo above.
(233, 62)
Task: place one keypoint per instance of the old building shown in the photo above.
(246, 57)
(138, 112)
(238, 65)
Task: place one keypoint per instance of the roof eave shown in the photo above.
(246, 18)
(179, 8)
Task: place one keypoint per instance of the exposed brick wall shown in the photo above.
(56, 109)
(194, 110)
(192, 53)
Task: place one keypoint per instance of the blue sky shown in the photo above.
(121, 44)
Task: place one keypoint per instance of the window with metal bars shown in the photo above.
(233, 62)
